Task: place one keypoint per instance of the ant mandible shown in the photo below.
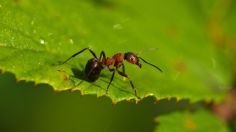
(95, 65)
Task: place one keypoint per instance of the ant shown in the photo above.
(95, 65)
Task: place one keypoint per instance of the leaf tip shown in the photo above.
(157, 100)
(137, 101)
(113, 103)
(17, 80)
(177, 99)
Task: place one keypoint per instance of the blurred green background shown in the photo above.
(29, 108)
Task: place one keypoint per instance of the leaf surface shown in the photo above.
(36, 35)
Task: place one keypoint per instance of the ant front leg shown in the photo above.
(112, 77)
(79, 52)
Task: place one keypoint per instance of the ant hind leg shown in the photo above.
(79, 52)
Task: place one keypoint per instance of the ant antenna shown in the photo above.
(150, 64)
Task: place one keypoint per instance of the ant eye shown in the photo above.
(131, 58)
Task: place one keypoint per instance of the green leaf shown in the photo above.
(198, 121)
(36, 35)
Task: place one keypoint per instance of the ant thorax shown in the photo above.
(118, 59)
(115, 60)
(108, 62)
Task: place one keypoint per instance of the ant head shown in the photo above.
(132, 58)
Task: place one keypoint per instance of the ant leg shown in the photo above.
(131, 83)
(77, 53)
(102, 55)
(123, 68)
(113, 74)
(126, 76)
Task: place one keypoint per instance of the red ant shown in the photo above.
(95, 65)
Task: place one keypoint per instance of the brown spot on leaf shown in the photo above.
(215, 27)
(171, 31)
(63, 75)
(17, 1)
(180, 66)
(189, 123)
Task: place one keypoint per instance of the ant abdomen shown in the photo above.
(93, 69)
